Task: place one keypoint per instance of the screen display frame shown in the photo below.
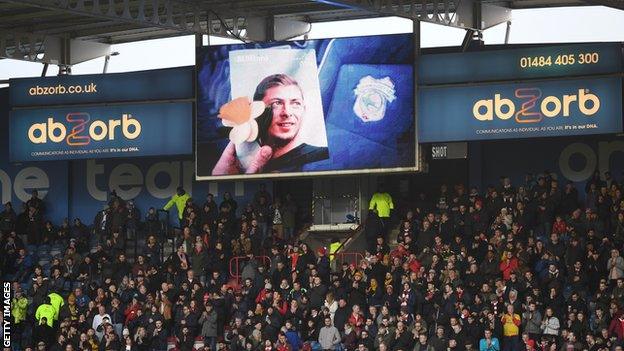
(299, 174)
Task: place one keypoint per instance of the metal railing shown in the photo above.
(235, 265)
(347, 257)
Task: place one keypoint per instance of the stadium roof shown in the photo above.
(30, 28)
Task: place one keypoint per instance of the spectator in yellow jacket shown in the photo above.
(179, 200)
(511, 329)
(47, 311)
(19, 309)
(381, 203)
(57, 302)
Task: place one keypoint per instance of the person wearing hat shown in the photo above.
(179, 199)
(322, 264)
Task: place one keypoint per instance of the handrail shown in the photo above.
(236, 260)
(355, 231)
(356, 257)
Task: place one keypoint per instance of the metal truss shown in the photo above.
(178, 15)
(233, 27)
(465, 14)
(22, 46)
(436, 11)
(49, 49)
(50, 42)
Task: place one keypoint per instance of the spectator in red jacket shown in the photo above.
(560, 226)
(616, 327)
(356, 319)
(509, 263)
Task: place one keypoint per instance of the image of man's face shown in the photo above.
(288, 108)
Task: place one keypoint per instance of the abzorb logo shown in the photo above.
(83, 130)
(534, 108)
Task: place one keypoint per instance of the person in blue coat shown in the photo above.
(489, 343)
(292, 336)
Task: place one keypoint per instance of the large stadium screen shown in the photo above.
(328, 106)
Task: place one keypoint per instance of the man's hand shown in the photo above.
(228, 163)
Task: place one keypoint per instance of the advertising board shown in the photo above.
(129, 130)
(146, 113)
(153, 85)
(521, 110)
(532, 62)
(522, 92)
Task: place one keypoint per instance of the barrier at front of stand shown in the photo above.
(347, 257)
(235, 265)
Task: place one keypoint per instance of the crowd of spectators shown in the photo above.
(531, 266)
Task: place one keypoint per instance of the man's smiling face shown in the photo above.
(288, 107)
